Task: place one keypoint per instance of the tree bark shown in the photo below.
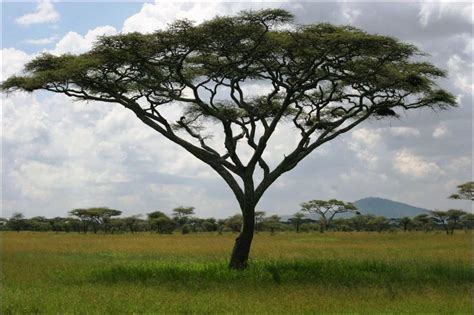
(241, 250)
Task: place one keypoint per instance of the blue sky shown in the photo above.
(58, 154)
(74, 16)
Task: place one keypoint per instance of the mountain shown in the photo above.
(387, 208)
(377, 206)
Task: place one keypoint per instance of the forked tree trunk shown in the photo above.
(241, 250)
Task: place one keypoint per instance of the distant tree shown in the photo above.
(259, 217)
(454, 216)
(327, 210)
(94, 217)
(441, 217)
(209, 225)
(185, 229)
(323, 80)
(162, 224)
(57, 224)
(182, 214)
(72, 224)
(132, 222)
(156, 215)
(17, 222)
(379, 224)
(465, 192)
(405, 223)
(3, 224)
(467, 221)
(341, 224)
(359, 221)
(297, 220)
(422, 221)
(234, 223)
(38, 224)
(272, 223)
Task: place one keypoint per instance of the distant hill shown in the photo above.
(379, 207)
(387, 208)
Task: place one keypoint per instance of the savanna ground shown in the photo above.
(356, 273)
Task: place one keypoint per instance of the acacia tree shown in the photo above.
(94, 217)
(327, 210)
(182, 214)
(405, 222)
(441, 217)
(259, 217)
(17, 222)
(465, 192)
(454, 216)
(132, 222)
(297, 220)
(318, 81)
(272, 223)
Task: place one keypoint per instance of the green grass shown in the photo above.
(334, 273)
(322, 272)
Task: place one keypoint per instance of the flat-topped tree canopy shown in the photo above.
(322, 79)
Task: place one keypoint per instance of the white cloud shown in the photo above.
(349, 13)
(75, 43)
(12, 61)
(404, 132)
(431, 11)
(440, 132)
(158, 15)
(155, 16)
(461, 71)
(41, 41)
(23, 119)
(364, 143)
(414, 166)
(45, 13)
(368, 137)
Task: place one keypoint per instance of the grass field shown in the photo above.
(341, 273)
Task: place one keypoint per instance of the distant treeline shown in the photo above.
(182, 220)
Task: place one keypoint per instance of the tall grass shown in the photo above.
(335, 273)
(320, 272)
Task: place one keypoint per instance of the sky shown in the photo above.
(59, 154)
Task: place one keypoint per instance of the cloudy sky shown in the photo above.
(58, 154)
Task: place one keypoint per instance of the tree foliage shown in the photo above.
(465, 192)
(326, 210)
(94, 216)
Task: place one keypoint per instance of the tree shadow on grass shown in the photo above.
(320, 272)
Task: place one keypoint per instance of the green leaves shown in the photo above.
(465, 191)
(234, 49)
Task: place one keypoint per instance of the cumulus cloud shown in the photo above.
(157, 15)
(440, 131)
(44, 13)
(435, 10)
(350, 13)
(364, 142)
(12, 61)
(461, 71)
(368, 137)
(75, 43)
(405, 132)
(414, 166)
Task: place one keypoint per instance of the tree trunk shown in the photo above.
(241, 250)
